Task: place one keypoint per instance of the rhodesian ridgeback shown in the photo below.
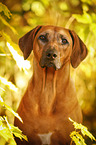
(50, 98)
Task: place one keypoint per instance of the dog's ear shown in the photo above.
(79, 50)
(26, 42)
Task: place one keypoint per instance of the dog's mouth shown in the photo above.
(51, 64)
(48, 64)
(50, 58)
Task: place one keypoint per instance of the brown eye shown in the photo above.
(43, 38)
(64, 41)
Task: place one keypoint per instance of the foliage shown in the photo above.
(8, 130)
(9, 84)
(76, 135)
(21, 17)
(2, 103)
(5, 10)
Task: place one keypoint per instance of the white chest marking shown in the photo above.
(45, 138)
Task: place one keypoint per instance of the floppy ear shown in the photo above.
(79, 50)
(26, 42)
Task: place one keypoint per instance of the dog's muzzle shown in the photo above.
(50, 58)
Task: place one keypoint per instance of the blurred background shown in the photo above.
(19, 17)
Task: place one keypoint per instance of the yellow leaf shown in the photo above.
(5, 10)
(85, 18)
(2, 103)
(77, 138)
(7, 24)
(18, 133)
(9, 84)
(21, 63)
(83, 129)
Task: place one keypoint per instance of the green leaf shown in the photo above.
(4, 130)
(83, 129)
(7, 24)
(18, 133)
(77, 138)
(7, 130)
(8, 39)
(21, 63)
(14, 113)
(2, 103)
(85, 18)
(15, 130)
(9, 84)
(5, 10)
(12, 142)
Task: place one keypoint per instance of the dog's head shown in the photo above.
(53, 46)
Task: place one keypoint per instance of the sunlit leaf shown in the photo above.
(85, 18)
(12, 142)
(14, 113)
(77, 138)
(2, 103)
(8, 130)
(83, 129)
(7, 24)
(9, 84)
(4, 54)
(8, 39)
(18, 133)
(21, 63)
(4, 130)
(15, 130)
(5, 10)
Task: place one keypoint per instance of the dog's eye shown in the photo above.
(64, 41)
(43, 38)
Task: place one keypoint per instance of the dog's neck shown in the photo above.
(49, 81)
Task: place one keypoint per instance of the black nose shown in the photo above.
(51, 54)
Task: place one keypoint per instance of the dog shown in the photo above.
(50, 98)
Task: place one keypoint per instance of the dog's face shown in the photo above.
(53, 46)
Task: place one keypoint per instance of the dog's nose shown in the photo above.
(51, 54)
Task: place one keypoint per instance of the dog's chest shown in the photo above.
(45, 138)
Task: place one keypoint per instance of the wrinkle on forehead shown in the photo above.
(54, 30)
(47, 31)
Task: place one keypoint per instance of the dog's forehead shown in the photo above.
(54, 30)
